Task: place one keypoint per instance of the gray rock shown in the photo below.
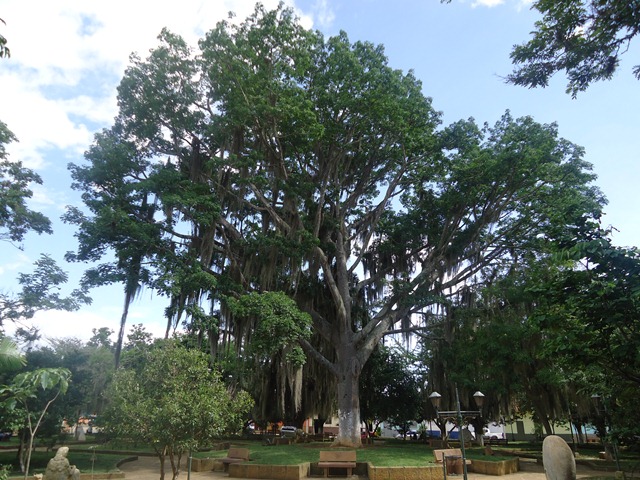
(557, 459)
(58, 467)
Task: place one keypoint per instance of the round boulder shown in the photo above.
(558, 459)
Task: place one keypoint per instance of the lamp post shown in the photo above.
(458, 415)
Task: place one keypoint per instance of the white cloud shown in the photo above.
(41, 198)
(323, 13)
(59, 324)
(524, 4)
(72, 45)
(487, 3)
(37, 121)
(18, 261)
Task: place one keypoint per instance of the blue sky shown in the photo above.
(59, 88)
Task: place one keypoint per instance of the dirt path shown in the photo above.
(148, 468)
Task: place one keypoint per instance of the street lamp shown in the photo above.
(458, 416)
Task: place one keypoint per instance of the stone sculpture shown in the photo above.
(558, 459)
(59, 468)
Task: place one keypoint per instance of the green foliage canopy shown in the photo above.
(585, 39)
(40, 291)
(280, 324)
(16, 219)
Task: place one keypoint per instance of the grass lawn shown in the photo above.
(384, 453)
(388, 454)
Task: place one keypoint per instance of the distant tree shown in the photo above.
(570, 316)
(136, 348)
(91, 367)
(40, 291)
(138, 337)
(584, 38)
(100, 338)
(389, 390)
(175, 404)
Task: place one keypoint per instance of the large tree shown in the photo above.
(277, 160)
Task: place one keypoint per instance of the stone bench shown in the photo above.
(454, 465)
(337, 459)
(235, 455)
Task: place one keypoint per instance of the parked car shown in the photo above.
(494, 436)
(411, 435)
(288, 431)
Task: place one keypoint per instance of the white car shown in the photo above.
(489, 435)
(411, 435)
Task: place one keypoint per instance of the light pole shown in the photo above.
(458, 417)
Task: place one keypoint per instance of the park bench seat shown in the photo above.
(337, 459)
(235, 455)
(439, 454)
(442, 453)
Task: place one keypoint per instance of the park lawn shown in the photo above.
(388, 454)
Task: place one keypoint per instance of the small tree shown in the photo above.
(175, 404)
(26, 394)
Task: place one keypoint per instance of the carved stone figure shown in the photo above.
(558, 459)
(59, 468)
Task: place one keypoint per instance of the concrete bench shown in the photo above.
(337, 459)
(235, 455)
(442, 454)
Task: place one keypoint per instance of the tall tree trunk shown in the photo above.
(349, 406)
(348, 412)
(123, 322)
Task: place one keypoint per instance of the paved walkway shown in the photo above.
(148, 468)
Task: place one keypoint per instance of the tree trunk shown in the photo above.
(22, 449)
(349, 408)
(162, 456)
